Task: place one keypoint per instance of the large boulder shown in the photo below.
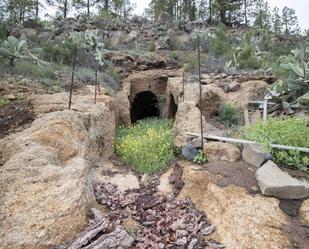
(221, 151)
(255, 155)
(249, 90)
(187, 120)
(274, 182)
(241, 220)
(212, 97)
(45, 186)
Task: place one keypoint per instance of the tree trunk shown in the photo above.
(88, 8)
(246, 17)
(37, 10)
(65, 9)
(210, 11)
(106, 5)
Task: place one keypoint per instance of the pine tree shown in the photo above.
(63, 6)
(276, 21)
(289, 20)
(261, 15)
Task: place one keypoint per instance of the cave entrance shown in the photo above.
(145, 105)
(172, 107)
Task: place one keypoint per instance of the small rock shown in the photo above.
(189, 152)
(255, 154)
(9, 97)
(221, 151)
(274, 182)
(304, 212)
(233, 86)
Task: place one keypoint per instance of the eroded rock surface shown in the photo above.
(221, 151)
(44, 185)
(242, 221)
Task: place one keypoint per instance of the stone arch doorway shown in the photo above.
(145, 105)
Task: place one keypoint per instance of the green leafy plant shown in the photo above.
(229, 115)
(200, 158)
(147, 145)
(4, 102)
(152, 46)
(14, 49)
(294, 90)
(290, 132)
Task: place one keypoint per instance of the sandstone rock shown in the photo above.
(221, 151)
(44, 181)
(187, 120)
(249, 90)
(233, 86)
(241, 221)
(165, 187)
(255, 154)
(211, 97)
(304, 212)
(274, 182)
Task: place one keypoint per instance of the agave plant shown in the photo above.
(14, 49)
(294, 90)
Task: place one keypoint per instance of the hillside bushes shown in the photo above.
(290, 132)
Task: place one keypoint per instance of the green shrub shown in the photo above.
(219, 42)
(4, 102)
(200, 158)
(147, 146)
(37, 71)
(290, 132)
(152, 46)
(58, 53)
(228, 115)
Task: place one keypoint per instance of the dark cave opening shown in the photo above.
(145, 105)
(172, 107)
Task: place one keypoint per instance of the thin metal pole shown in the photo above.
(95, 86)
(200, 84)
(183, 85)
(72, 79)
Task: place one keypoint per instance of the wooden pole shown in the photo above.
(200, 85)
(72, 79)
(95, 86)
(242, 141)
(183, 85)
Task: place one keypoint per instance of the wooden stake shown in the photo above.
(72, 79)
(200, 84)
(183, 85)
(95, 86)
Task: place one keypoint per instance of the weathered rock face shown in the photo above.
(211, 98)
(274, 182)
(221, 151)
(44, 182)
(254, 154)
(241, 221)
(187, 120)
(304, 212)
(249, 90)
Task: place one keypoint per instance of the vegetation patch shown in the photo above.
(228, 115)
(290, 132)
(147, 145)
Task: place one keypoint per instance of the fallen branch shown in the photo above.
(242, 141)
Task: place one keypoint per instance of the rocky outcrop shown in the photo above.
(255, 154)
(274, 182)
(304, 212)
(221, 151)
(45, 189)
(242, 221)
(187, 120)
